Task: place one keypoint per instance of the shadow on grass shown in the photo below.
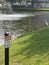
(36, 44)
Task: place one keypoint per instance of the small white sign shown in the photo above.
(7, 41)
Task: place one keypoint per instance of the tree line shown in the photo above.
(17, 0)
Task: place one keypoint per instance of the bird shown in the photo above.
(46, 22)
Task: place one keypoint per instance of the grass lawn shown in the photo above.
(32, 49)
(29, 9)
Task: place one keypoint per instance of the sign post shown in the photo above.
(6, 56)
(7, 45)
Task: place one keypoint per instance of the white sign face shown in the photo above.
(7, 41)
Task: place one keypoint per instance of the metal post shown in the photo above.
(6, 56)
(6, 52)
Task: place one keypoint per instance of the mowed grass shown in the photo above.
(30, 9)
(32, 49)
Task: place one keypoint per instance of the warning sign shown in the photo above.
(7, 40)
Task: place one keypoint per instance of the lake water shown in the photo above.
(8, 21)
(20, 26)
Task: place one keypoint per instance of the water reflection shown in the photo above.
(29, 24)
(40, 21)
(33, 23)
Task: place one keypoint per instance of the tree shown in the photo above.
(11, 0)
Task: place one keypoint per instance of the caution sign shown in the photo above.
(7, 40)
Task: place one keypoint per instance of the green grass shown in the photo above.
(29, 9)
(32, 49)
